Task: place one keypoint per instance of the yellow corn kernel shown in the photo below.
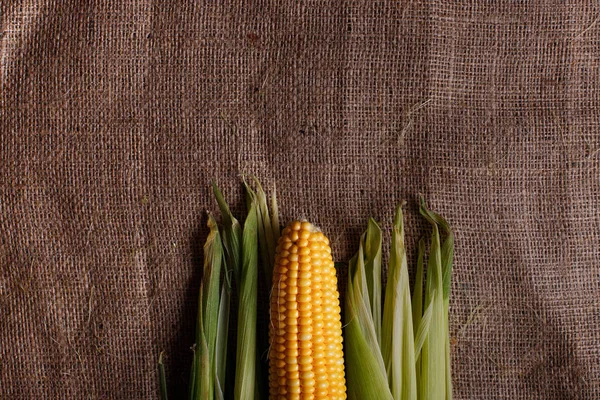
(306, 355)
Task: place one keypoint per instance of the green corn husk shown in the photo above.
(417, 304)
(204, 374)
(417, 299)
(246, 362)
(398, 337)
(231, 233)
(366, 376)
(422, 332)
(200, 382)
(447, 256)
(372, 248)
(267, 226)
(193, 374)
(232, 236)
(433, 363)
(398, 351)
(447, 259)
(162, 378)
(221, 344)
(380, 353)
(212, 301)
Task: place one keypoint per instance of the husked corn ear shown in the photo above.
(306, 359)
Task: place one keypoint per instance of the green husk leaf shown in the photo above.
(268, 235)
(231, 236)
(433, 365)
(360, 282)
(201, 382)
(447, 258)
(222, 336)
(365, 370)
(213, 257)
(245, 377)
(398, 336)
(372, 249)
(206, 378)
(193, 375)
(417, 299)
(162, 377)
(447, 255)
(447, 252)
(423, 329)
(204, 374)
(447, 356)
(266, 229)
(417, 304)
(252, 201)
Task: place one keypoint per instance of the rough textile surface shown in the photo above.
(116, 115)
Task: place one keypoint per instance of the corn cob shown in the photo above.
(306, 353)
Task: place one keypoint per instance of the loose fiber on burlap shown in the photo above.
(116, 115)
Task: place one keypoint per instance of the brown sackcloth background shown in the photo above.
(116, 115)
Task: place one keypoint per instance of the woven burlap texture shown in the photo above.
(116, 115)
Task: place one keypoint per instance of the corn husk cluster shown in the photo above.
(403, 350)
(396, 343)
(231, 262)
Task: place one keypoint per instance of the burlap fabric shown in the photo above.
(116, 115)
